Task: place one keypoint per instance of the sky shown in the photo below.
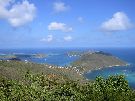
(67, 23)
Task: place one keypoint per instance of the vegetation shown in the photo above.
(20, 81)
(97, 60)
(17, 69)
(18, 56)
(41, 88)
(7, 56)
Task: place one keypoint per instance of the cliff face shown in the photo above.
(97, 60)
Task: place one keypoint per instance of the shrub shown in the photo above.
(41, 88)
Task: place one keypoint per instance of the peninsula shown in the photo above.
(97, 60)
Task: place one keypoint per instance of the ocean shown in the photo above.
(59, 56)
(126, 54)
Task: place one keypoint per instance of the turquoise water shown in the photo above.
(59, 56)
(126, 54)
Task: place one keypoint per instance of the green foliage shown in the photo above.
(115, 88)
(41, 88)
(17, 69)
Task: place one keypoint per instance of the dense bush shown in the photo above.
(41, 88)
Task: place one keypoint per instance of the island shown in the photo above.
(6, 56)
(74, 53)
(39, 55)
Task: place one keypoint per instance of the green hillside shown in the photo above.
(17, 69)
(97, 60)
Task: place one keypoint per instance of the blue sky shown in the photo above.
(67, 23)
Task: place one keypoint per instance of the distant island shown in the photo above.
(6, 56)
(18, 56)
(74, 53)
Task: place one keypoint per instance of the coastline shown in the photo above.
(88, 62)
(108, 67)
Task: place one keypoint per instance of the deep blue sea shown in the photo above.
(59, 56)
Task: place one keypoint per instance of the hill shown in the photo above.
(97, 60)
(16, 70)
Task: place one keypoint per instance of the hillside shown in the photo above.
(97, 60)
(17, 69)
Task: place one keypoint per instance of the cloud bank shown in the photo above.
(118, 22)
(17, 14)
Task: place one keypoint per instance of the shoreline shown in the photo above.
(108, 67)
(77, 69)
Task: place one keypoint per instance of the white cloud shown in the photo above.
(17, 14)
(4, 3)
(49, 38)
(119, 21)
(59, 26)
(80, 19)
(68, 38)
(3, 8)
(60, 7)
